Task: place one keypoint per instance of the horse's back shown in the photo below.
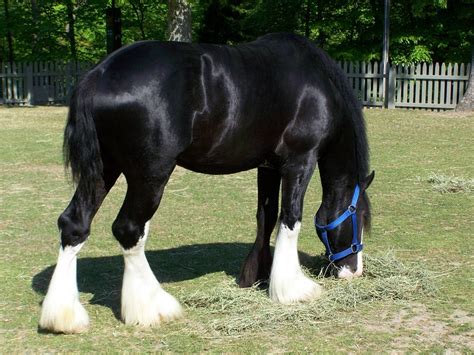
(217, 108)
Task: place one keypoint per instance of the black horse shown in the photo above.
(278, 104)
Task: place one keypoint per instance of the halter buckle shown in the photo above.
(354, 248)
(352, 208)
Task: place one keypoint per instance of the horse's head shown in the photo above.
(340, 223)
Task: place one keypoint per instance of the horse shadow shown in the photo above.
(102, 276)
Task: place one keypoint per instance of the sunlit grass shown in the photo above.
(205, 227)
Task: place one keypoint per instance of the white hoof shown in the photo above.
(297, 289)
(144, 302)
(288, 284)
(150, 308)
(60, 317)
(61, 311)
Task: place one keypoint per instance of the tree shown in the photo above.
(9, 32)
(70, 29)
(421, 30)
(179, 21)
(139, 8)
(220, 21)
(467, 101)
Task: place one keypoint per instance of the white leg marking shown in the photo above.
(144, 302)
(345, 272)
(288, 284)
(61, 311)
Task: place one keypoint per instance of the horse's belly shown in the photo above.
(222, 159)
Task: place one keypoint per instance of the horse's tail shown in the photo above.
(81, 147)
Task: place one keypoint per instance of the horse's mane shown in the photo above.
(352, 108)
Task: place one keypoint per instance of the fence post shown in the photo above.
(389, 86)
(30, 98)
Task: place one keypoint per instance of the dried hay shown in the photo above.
(450, 184)
(228, 310)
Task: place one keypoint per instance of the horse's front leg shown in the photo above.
(287, 282)
(144, 301)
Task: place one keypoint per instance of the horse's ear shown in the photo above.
(365, 183)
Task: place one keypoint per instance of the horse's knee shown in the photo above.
(127, 232)
(74, 231)
(290, 220)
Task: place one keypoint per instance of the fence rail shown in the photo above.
(38, 82)
(427, 85)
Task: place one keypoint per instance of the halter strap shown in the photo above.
(350, 212)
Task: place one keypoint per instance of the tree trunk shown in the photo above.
(11, 57)
(139, 11)
(35, 16)
(179, 21)
(319, 17)
(307, 20)
(70, 31)
(467, 101)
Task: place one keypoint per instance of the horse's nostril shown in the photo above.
(347, 272)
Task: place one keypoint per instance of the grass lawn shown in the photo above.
(205, 227)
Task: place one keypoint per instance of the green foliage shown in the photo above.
(273, 16)
(218, 21)
(408, 49)
(421, 30)
(41, 33)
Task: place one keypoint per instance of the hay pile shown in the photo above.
(226, 309)
(450, 184)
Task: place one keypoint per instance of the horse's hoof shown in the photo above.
(298, 289)
(157, 307)
(62, 318)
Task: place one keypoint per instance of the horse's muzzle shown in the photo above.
(352, 267)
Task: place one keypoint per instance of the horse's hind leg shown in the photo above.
(287, 282)
(61, 310)
(144, 302)
(258, 263)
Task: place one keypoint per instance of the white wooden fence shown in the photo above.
(428, 86)
(38, 82)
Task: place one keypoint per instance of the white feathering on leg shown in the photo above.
(61, 311)
(288, 284)
(144, 302)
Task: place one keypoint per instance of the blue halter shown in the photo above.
(350, 212)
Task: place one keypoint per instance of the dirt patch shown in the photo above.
(461, 317)
(451, 114)
(54, 169)
(418, 325)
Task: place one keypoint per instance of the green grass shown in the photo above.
(204, 228)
